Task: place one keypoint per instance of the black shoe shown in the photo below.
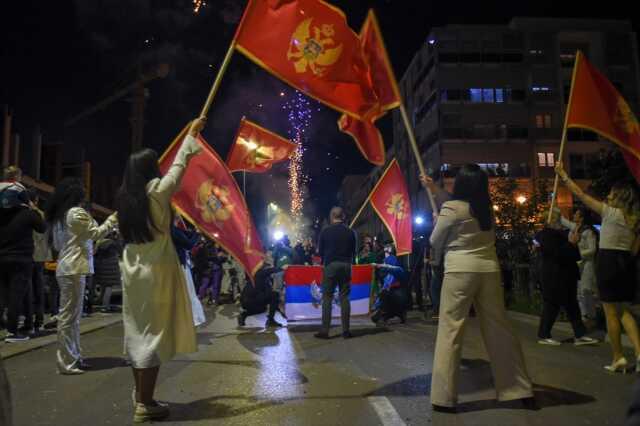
(443, 409)
(273, 323)
(242, 319)
(347, 335)
(84, 365)
(16, 338)
(529, 403)
(26, 331)
(321, 335)
(403, 318)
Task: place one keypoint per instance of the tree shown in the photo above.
(518, 213)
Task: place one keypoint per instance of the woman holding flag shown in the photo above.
(615, 265)
(465, 233)
(158, 322)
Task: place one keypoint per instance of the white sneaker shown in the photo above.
(585, 340)
(550, 342)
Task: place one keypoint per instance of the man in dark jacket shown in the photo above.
(559, 276)
(17, 225)
(337, 246)
(257, 297)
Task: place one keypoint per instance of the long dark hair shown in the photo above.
(134, 215)
(472, 186)
(67, 194)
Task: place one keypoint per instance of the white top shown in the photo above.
(615, 234)
(466, 247)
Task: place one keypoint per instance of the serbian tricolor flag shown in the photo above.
(390, 199)
(364, 132)
(308, 44)
(303, 292)
(595, 104)
(256, 149)
(210, 199)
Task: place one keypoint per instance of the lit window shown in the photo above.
(550, 160)
(487, 95)
(499, 96)
(475, 95)
(542, 159)
(539, 121)
(547, 121)
(540, 88)
(543, 121)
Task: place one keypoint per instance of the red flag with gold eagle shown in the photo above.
(364, 132)
(210, 199)
(308, 44)
(256, 149)
(595, 104)
(390, 199)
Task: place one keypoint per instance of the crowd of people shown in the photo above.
(168, 270)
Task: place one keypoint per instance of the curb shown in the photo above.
(8, 350)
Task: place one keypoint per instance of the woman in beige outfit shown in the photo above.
(465, 233)
(158, 322)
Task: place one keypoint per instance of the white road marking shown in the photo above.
(385, 411)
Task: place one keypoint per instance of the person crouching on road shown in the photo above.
(72, 227)
(257, 297)
(392, 300)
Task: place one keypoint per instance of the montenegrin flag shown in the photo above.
(595, 104)
(390, 200)
(364, 132)
(308, 44)
(210, 199)
(303, 292)
(256, 149)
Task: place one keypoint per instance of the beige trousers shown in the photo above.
(71, 302)
(483, 290)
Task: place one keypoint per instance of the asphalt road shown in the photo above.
(253, 376)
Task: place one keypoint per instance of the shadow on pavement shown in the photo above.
(256, 342)
(211, 408)
(106, 363)
(411, 386)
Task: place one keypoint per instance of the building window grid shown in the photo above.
(546, 159)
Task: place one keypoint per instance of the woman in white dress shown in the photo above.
(157, 316)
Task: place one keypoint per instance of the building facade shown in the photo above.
(497, 95)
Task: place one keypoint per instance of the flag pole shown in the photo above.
(564, 137)
(416, 152)
(218, 80)
(355, 218)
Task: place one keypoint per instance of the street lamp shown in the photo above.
(278, 235)
(521, 199)
(418, 220)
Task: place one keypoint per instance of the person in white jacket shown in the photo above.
(72, 227)
(588, 245)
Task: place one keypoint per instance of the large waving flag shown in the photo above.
(308, 44)
(364, 132)
(210, 199)
(256, 149)
(390, 199)
(595, 104)
(303, 292)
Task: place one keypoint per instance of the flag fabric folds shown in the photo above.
(390, 200)
(364, 132)
(309, 45)
(303, 292)
(595, 104)
(256, 149)
(210, 199)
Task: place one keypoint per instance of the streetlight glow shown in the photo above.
(419, 220)
(278, 235)
(521, 199)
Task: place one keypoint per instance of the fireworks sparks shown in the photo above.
(198, 4)
(299, 115)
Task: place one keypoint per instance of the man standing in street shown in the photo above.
(337, 248)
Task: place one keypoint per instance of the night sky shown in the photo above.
(61, 57)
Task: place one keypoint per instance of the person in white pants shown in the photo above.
(72, 228)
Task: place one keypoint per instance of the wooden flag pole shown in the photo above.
(564, 137)
(355, 218)
(416, 152)
(218, 80)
